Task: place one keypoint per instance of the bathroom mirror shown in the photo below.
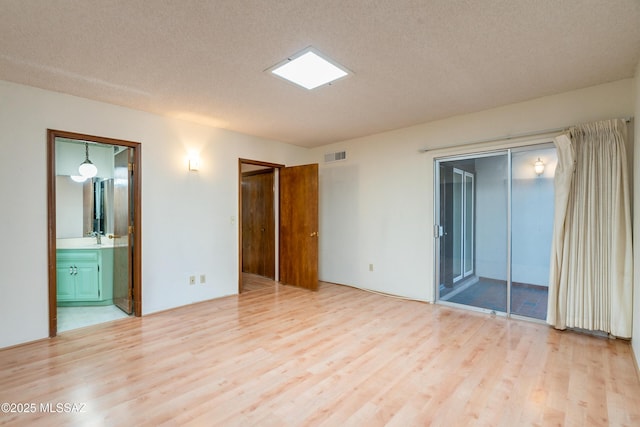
(84, 208)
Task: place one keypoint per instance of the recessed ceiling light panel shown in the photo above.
(309, 69)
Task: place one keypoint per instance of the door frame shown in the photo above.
(275, 166)
(52, 134)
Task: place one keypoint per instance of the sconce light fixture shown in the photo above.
(538, 166)
(194, 163)
(87, 169)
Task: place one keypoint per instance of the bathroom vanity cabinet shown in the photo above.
(84, 276)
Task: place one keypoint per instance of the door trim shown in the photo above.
(52, 134)
(241, 162)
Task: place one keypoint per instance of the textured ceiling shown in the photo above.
(413, 60)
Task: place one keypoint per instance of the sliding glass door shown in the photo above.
(494, 223)
(473, 225)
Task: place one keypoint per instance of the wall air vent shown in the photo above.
(335, 157)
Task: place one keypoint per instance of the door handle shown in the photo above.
(75, 270)
(314, 234)
(71, 270)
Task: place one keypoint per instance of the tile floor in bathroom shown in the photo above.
(78, 317)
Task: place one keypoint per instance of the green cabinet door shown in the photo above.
(78, 275)
(87, 284)
(66, 282)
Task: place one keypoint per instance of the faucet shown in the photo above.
(97, 235)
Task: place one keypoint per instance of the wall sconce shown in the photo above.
(194, 164)
(538, 166)
(87, 169)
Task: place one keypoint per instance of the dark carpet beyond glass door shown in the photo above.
(526, 300)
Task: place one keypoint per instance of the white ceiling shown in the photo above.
(413, 60)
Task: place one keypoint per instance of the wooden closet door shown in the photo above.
(299, 226)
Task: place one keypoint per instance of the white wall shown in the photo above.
(635, 340)
(189, 218)
(377, 206)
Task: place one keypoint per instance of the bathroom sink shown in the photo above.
(83, 243)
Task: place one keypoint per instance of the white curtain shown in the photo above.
(590, 283)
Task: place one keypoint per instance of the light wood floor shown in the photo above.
(253, 282)
(282, 356)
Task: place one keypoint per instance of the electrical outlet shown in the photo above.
(203, 279)
(192, 280)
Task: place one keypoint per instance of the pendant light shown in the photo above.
(87, 168)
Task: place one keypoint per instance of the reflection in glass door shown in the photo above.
(462, 227)
(494, 228)
(457, 228)
(467, 225)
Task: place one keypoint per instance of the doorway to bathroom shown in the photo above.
(494, 213)
(94, 230)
